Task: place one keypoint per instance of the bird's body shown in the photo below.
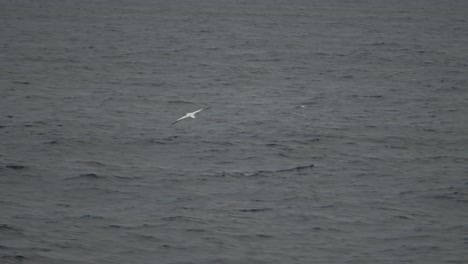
(191, 115)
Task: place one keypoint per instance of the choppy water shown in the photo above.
(337, 133)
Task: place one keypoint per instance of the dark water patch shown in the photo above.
(87, 176)
(286, 155)
(264, 173)
(156, 141)
(133, 227)
(95, 191)
(146, 84)
(403, 217)
(90, 176)
(22, 82)
(10, 203)
(117, 226)
(326, 229)
(180, 102)
(218, 143)
(422, 249)
(264, 236)
(249, 158)
(37, 259)
(455, 196)
(276, 145)
(252, 237)
(195, 230)
(92, 163)
(388, 44)
(208, 153)
(147, 237)
(255, 210)
(332, 205)
(299, 168)
(183, 219)
(169, 139)
(90, 217)
(372, 96)
(15, 167)
(126, 178)
(300, 199)
(240, 174)
(127, 227)
(9, 229)
(2, 247)
(16, 258)
(167, 246)
(453, 193)
(68, 245)
(237, 260)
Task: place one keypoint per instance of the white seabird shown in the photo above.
(192, 114)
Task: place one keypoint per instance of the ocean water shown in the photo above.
(337, 133)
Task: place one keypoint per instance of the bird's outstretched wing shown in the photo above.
(185, 116)
(201, 110)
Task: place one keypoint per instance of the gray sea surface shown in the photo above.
(337, 131)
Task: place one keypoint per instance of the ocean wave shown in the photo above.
(263, 172)
(15, 166)
(9, 229)
(87, 176)
(255, 210)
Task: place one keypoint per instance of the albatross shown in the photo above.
(192, 115)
